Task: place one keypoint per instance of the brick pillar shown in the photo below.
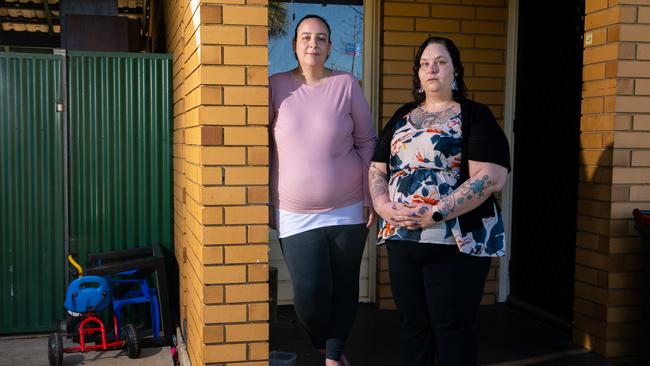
(614, 175)
(221, 177)
(478, 27)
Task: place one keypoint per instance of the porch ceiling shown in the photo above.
(27, 21)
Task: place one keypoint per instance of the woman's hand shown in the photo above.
(370, 216)
(422, 212)
(396, 214)
(417, 216)
(485, 179)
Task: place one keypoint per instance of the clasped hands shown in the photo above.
(410, 216)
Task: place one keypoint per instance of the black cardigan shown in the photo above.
(482, 140)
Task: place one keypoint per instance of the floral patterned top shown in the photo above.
(424, 165)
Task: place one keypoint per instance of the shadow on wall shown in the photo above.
(609, 259)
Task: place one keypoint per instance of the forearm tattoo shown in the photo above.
(472, 189)
(378, 182)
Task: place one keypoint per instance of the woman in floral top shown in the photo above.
(436, 165)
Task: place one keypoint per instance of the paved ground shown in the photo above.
(507, 338)
(32, 351)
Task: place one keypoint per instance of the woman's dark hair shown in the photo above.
(459, 71)
(313, 16)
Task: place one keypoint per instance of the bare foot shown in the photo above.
(329, 362)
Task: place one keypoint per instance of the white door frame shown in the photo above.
(509, 117)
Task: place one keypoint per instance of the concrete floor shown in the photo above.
(32, 351)
(506, 337)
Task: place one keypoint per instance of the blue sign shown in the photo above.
(352, 49)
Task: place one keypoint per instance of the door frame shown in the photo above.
(508, 123)
(371, 64)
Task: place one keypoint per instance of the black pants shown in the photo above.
(437, 291)
(324, 268)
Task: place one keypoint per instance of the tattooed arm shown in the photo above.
(485, 179)
(378, 181)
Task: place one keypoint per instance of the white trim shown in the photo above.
(371, 21)
(509, 116)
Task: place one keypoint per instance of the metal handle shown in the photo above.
(11, 289)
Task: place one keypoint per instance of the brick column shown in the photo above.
(221, 177)
(614, 175)
(478, 27)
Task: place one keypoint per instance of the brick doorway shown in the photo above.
(546, 154)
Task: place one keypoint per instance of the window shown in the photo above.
(346, 22)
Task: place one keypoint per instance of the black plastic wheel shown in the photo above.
(55, 349)
(133, 345)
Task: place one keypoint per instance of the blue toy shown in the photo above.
(86, 296)
(139, 292)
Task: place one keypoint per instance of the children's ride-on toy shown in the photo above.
(84, 298)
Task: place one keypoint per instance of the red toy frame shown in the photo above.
(83, 331)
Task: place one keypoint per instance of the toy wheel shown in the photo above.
(133, 346)
(55, 349)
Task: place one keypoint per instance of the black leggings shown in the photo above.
(437, 291)
(324, 268)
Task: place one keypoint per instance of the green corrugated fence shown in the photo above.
(120, 151)
(32, 257)
(119, 170)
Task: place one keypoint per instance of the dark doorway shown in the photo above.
(546, 152)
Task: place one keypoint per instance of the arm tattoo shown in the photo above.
(378, 182)
(470, 190)
(478, 186)
(446, 206)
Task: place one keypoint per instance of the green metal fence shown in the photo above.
(119, 174)
(120, 151)
(32, 255)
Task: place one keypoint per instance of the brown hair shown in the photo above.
(459, 71)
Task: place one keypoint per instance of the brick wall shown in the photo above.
(478, 27)
(614, 175)
(220, 176)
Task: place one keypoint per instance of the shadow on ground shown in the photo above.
(507, 337)
(32, 351)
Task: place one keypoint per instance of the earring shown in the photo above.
(454, 86)
(420, 90)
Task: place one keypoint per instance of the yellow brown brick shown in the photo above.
(246, 254)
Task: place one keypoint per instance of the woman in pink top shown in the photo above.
(322, 141)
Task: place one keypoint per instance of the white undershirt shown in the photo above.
(291, 223)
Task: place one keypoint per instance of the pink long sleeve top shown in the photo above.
(322, 141)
